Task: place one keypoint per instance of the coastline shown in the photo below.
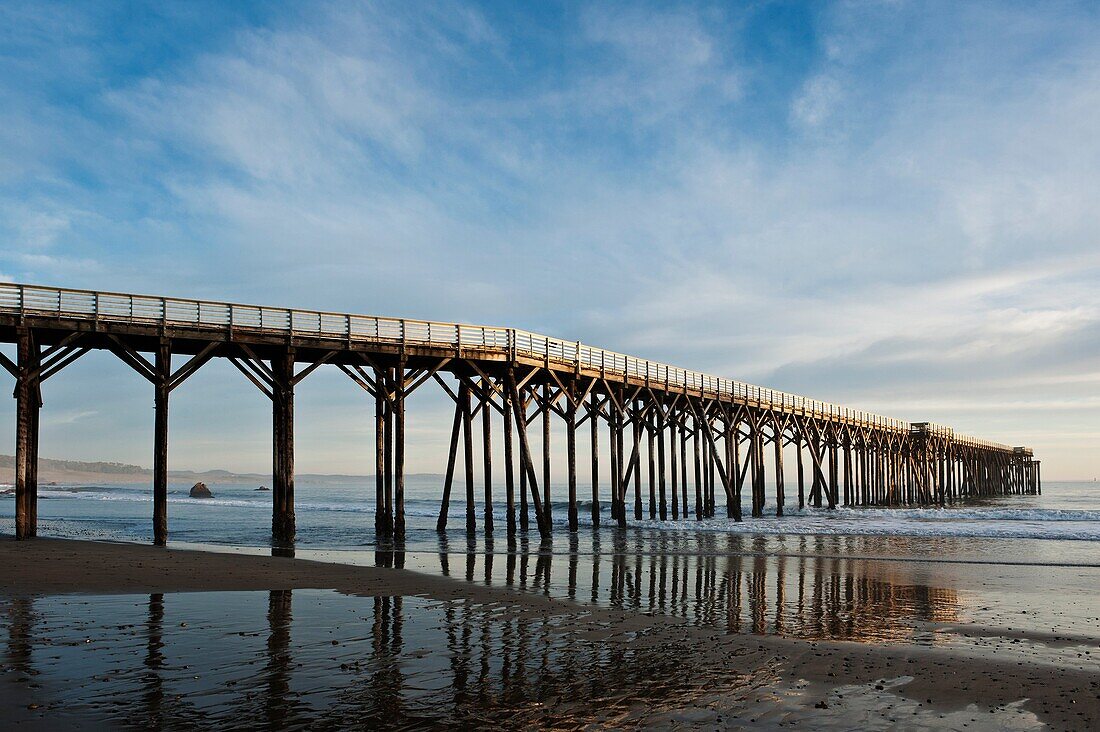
(975, 682)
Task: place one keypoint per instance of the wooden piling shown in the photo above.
(698, 469)
(594, 427)
(673, 444)
(467, 456)
(546, 414)
(683, 467)
(385, 385)
(383, 528)
(801, 471)
(571, 455)
(615, 464)
(636, 461)
(650, 450)
(487, 450)
(509, 467)
(26, 438)
(282, 494)
(756, 454)
(662, 505)
(779, 497)
(847, 470)
(399, 451)
(163, 375)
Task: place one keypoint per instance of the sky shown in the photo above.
(889, 205)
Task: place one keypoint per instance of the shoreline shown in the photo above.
(53, 567)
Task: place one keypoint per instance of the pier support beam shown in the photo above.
(780, 498)
(283, 527)
(161, 388)
(546, 406)
(571, 454)
(487, 453)
(28, 404)
(662, 500)
(383, 505)
(467, 455)
(594, 415)
(399, 393)
(509, 468)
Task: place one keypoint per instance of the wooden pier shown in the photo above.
(695, 442)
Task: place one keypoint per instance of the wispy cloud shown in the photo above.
(872, 202)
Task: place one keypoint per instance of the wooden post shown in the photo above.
(683, 468)
(27, 405)
(383, 524)
(163, 369)
(738, 475)
(618, 475)
(33, 443)
(618, 465)
(487, 446)
(673, 445)
(650, 429)
(728, 441)
(779, 497)
(520, 406)
(615, 465)
(848, 470)
(637, 466)
(814, 443)
(546, 454)
(384, 383)
(801, 471)
(858, 459)
(594, 416)
(698, 469)
(399, 451)
(509, 467)
(662, 501)
(282, 518)
(708, 478)
(571, 453)
(948, 489)
(834, 475)
(756, 456)
(467, 455)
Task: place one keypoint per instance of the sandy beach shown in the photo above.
(577, 664)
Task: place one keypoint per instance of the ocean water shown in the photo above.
(1062, 526)
(1010, 580)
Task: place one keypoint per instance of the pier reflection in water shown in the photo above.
(803, 595)
(289, 660)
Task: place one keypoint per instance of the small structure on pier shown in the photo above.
(700, 436)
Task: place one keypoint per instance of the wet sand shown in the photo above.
(413, 648)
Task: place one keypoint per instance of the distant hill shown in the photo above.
(76, 471)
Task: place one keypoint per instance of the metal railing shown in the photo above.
(122, 307)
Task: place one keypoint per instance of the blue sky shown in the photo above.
(890, 205)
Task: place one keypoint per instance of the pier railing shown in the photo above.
(123, 307)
